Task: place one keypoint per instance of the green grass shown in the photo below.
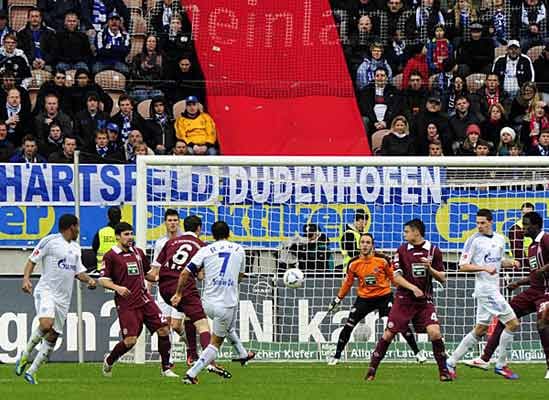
(285, 381)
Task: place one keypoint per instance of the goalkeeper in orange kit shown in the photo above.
(374, 274)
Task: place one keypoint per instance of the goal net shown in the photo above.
(291, 212)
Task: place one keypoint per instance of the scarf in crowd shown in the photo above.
(441, 53)
(166, 18)
(499, 21)
(491, 98)
(162, 119)
(99, 14)
(400, 135)
(543, 151)
(126, 126)
(423, 14)
(151, 60)
(102, 151)
(533, 15)
(56, 142)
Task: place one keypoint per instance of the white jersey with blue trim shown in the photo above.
(484, 250)
(223, 262)
(61, 262)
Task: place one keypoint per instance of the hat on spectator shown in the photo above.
(508, 130)
(111, 126)
(434, 99)
(512, 43)
(3, 14)
(114, 14)
(476, 27)
(473, 128)
(92, 96)
(191, 99)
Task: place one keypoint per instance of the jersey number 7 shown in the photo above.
(225, 257)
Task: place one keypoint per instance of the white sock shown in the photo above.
(206, 357)
(466, 343)
(46, 349)
(237, 344)
(505, 343)
(35, 338)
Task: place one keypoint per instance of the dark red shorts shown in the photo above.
(420, 314)
(132, 319)
(530, 301)
(190, 305)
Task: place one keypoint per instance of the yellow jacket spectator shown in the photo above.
(196, 129)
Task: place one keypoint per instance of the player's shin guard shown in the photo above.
(411, 340)
(204, 339)
(43, 355)
(440, 355)
(119, 350)
(466, 343)
(344, 337)
(208, 355)
(544, 337)
(190, 333)
(505, 343)
(164, 347)
(35, 338)
(493, 343)
(379, 353)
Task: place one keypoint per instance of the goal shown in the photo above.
(291, 211)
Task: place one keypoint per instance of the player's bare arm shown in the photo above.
(401, 281)
(477, 268)
(109, 284)
(83, 277)
(152, 275)
(27, 284)
(516, 284)
(183, 278)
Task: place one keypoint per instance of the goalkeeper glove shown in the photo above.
(334, 304)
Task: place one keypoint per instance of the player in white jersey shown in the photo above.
(223, 263)
(61, 261)
(484, 254)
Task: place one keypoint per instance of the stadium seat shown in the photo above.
(432, 81)
(150, 4)
(137, 46)
(377, 139)
(475, 82)
(397, 81)
(18, 16)
(138, 26)
(179, 107)
(534, 52)
(38, 78)
(69, 80)
(28, 3)
(143, 108)
(138, 4)
(500, 51)
(111, 81)
(115, 107)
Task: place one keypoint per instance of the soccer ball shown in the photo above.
(294, 278)
(362, 333)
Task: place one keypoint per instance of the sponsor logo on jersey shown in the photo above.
(62, 264)
(489, 259)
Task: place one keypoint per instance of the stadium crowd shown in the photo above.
(115, 81)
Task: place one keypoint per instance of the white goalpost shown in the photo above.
(268, 202)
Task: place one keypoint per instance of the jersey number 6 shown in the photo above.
(181, 256)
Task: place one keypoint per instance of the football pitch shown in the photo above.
(283, 381)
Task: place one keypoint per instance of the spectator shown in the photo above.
(468, 146)
(18, 118)
(94, 14)
(350, 239)
(394, 11)
(100, 152)
(541, 148)
(541, 72)
(113, 46)
(458, 88)
(180, 148)
(312, 254)
(5, 29)
(55, 12)
(506, 142)
(476, 55)
(50, 114)
(516, 149)
(538, 123)
(141, 149)
(461, 18)
(9, 82)
(460, 121)
(147, 70)
(420, 26)
(58, 88)
(73, 49)
(482, 148)
(90, 120)
(489, 94)
(14, 59)
(135, 138)
(398, 142)
(105, 238)
(53, 143)
(360, 42)
(491, 127)
(7, 149)
(432, 136)
(84, 85)
(397, 52)
(417, 64)
(37, 41)
(128, 120)
(523, 105)
(415, 95)
(379, 103)
(440, 52)
(186, 81)
(161, 126)
(196, 129)
(66, 155)
(421, 121)
(518, 242)
(28, 153)
(367, 70)
(498, 26)
(513, 69)
(177, 43)
(530, 23)
(161, 16)
(435, 149)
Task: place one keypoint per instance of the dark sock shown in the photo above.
(344, 337)
(411, 340)
(164, 347)
(119, 350)
(493, 343)
(544, 336)
(190, 333)
(379, 353)
(204, 339)
(440, 355)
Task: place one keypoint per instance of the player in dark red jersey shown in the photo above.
(125, 268)
(417, 262)
(535, 298)
(173, 258)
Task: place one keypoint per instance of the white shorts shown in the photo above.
(167, 310)
(224, 318)
(489, 307)
(47, 307)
